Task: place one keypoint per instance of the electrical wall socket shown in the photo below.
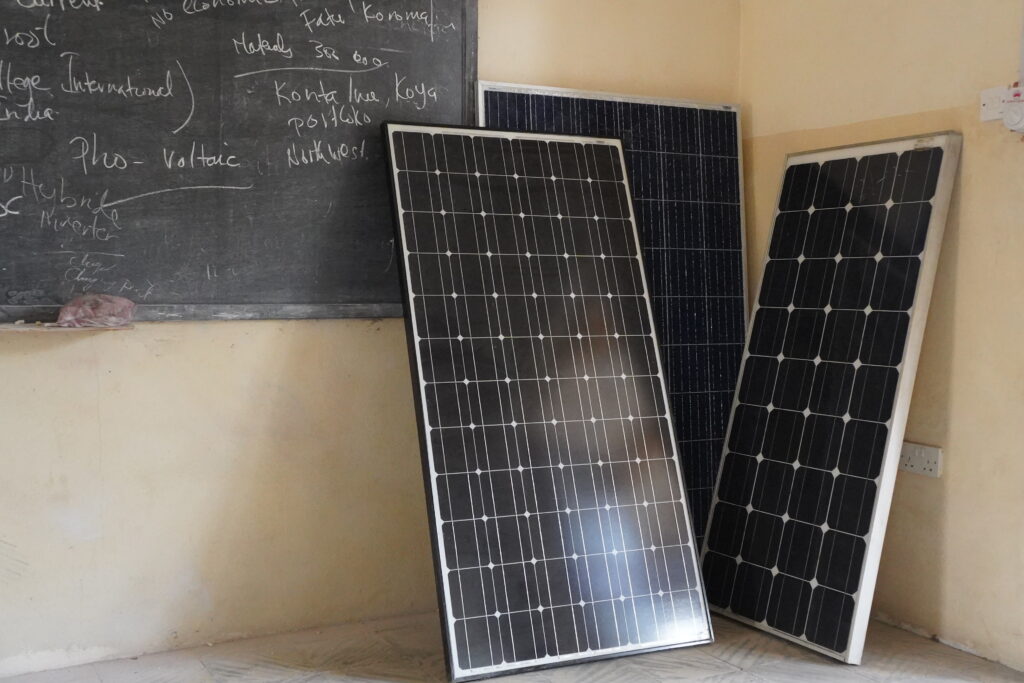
(926, 460)
(992, 103)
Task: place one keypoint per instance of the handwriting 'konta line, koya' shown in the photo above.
(309, 68)
(117, 202)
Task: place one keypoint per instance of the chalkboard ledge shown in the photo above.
(191, 312)
(36, 327)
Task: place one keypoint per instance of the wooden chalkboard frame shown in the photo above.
(283, 311)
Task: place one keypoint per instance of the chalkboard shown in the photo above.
(214, 158)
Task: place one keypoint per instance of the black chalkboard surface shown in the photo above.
(214, 158)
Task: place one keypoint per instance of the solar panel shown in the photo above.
(684, 162)
(560, 527)
(817, 425)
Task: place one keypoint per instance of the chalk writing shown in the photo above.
(192, 97)
(108, 204)
(198, 157)
(161, 17)
(81, 83)
(331, 117)
(7, 207)
(319, 152)
(63, 5)
(321, 51)
(325, 18)
(57, 207)
(420, 95)
(54, 195)
(198, 6)
(284, 94)
(18, 93)
(30, 38)
(259, 45)
(92, 157)
(209, 151)
(89, 271)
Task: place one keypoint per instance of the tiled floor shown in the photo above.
(409, 649)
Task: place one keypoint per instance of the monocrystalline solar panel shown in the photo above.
(685, 170)
(559, 521)
(810, 460)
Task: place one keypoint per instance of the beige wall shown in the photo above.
(664, 48)
(829, 62)
(185, 483)
(820, 74)
(182, 483)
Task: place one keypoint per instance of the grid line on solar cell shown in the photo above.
(574, 556)
(802, 466)
(590, 467)
(684, 170)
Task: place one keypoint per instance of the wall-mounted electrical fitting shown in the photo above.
(926, 460)
(1013, 109)
(1006, 104)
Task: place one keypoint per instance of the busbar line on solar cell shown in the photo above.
(684, 164)
(808, 469)
(559, 516)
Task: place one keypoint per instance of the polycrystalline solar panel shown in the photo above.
(813, 447)
(684, 167)
(559, 520)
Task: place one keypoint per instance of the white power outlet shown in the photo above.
(992, 103)
(1005, 104)
(926, 460)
